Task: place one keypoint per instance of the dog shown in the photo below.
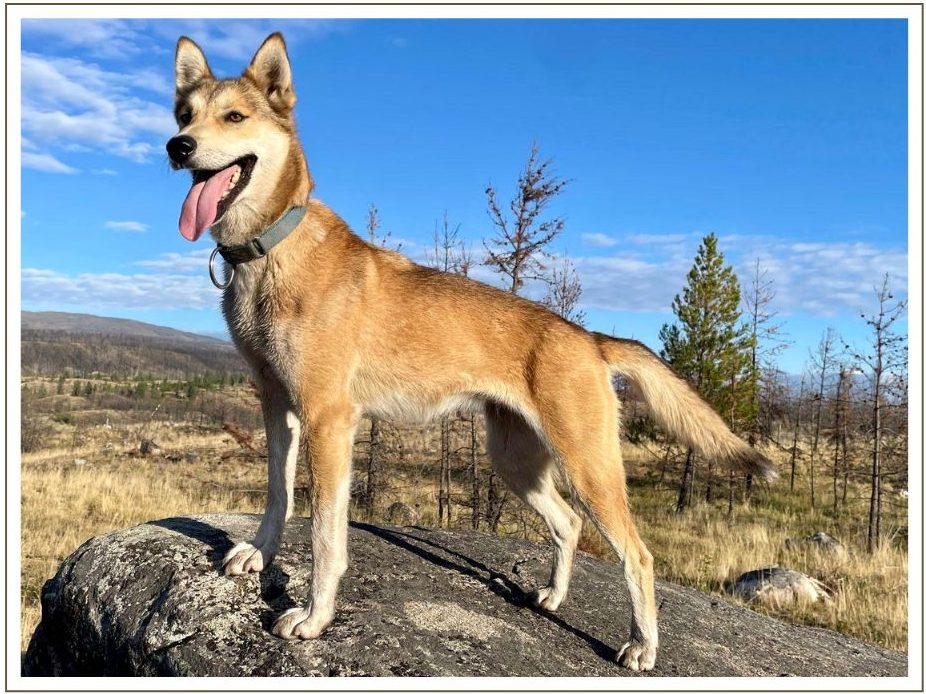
(334, 328)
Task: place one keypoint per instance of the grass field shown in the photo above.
(202, 469)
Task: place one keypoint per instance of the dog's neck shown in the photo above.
(249, 219)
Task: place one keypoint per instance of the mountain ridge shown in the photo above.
(88, 323)
(80, 344)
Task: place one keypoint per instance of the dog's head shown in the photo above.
(236, 137)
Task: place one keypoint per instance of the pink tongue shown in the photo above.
(199, 208)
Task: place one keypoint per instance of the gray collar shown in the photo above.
(260, 246)
(257, 247)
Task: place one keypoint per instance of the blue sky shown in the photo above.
(786, 138)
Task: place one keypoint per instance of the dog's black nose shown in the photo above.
(180, 148)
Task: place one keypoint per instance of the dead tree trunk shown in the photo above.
(797, 428)
(874, 506)
(474, 470)
(889, 357)
(839, 426)
(825, 354)
(443, 497)
(684, 491)
(374, 455)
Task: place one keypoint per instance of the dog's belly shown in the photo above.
(403, 407)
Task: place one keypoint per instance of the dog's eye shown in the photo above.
(186, 117)
(235, 117)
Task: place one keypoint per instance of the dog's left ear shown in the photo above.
(270, 70)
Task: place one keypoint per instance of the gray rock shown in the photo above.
(401, 514)
(775, 587)
(821, 541)
(829, 544)
(150, 600)
(149, 447)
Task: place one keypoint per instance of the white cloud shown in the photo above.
(76, 104)
(115, 290)
(239, 39)
(192, 261)
(104, 172)
(821, 278)
(599, 240)
(46, 162)
(73, 104)
(100, 37)
(126, 226)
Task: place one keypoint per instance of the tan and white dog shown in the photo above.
(334, 328)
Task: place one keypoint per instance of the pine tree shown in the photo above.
(709, 346)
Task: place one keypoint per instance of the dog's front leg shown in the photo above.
(330, 437)
(283, 428)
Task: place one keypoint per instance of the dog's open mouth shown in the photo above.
(212, 194)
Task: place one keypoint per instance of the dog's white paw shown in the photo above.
(546, 598)
(245, 558)
(299, 623)
(636, 656)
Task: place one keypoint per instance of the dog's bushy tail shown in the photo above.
(678, 408)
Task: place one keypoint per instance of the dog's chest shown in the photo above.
(254, 319)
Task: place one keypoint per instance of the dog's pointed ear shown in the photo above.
(190, 65)
(271, 72)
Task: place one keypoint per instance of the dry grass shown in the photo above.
(64, 504)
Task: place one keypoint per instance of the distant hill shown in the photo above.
(54, 342)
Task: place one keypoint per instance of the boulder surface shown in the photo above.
(151, 600)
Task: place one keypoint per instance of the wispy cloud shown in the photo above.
(111, 38)
(122, 39)
(239, 39)
(126, 226)
(46, 162)
(819, 278)
(599, 240)
(192, 261)
(72, 104)
(43, 287)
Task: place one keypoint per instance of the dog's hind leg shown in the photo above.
(329, 437)
(526, 465)
(282, 426)
(583, 431)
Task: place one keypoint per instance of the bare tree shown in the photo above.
(797, 429)
(518, 249)
(841, 433)
(449, 254)
(766, 333)
(822, 360)
(564, 289)
(374, 452)
(445, 254)
(465, 261)
(765, 342)
(373, 225)
(888, 357)
(373, 234)
(474, 471)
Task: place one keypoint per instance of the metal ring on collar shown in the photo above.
(215, 281)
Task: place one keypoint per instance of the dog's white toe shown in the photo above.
(299, 623)
(245, 558)
(548, 598)
(637, 656)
